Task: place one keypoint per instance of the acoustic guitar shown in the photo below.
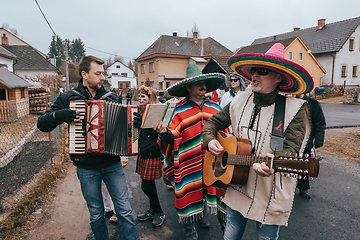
(232, 166)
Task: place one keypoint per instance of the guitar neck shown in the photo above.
(242, 160)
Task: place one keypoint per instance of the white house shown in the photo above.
(30, 63)
(7, 59)
(119, 75)
(335, 45)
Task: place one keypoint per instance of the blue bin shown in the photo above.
(320, 89)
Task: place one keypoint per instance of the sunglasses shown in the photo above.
(260, 71)
(234, 80)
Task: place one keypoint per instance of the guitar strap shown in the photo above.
(277, 134)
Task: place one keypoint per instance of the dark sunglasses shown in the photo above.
(234, 80)
(260, 71)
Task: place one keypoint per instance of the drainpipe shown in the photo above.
(14, 62)
(332, 72)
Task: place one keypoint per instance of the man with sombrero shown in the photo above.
(267, 197)
(184, 152)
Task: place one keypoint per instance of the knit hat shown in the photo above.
(296, 80)
(193, 75)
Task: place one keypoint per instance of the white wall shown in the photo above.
(350, 59)
(120, 68)
(7, 62)
(13, 40)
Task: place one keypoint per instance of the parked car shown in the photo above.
(161, 96)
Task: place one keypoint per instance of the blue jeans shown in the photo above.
(235, 226)
(114, 178)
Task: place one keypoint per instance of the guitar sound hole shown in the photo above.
(224, 159)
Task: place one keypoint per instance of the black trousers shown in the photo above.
(303, 183)
(149, 188)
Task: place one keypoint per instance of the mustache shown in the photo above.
(202, 89)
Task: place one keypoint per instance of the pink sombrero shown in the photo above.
(297, 79)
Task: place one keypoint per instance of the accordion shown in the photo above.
(106, 128)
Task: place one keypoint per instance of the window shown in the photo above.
(117, 66)
(151, 67)
(142, 68)
(343, 71)
(2, 94)
(23, 93)
(351, 44)
(167, 84)
(124, 74)
(355, 71)
(301, 56)
(290, 55)
(114, 74)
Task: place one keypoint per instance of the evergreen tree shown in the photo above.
(52, 50)
(57, 50)
(76, 50)
(60, 48)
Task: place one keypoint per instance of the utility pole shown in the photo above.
(67, 66)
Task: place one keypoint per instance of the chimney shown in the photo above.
(4, 40)
(195, 37)
(296, 29)
(321, 23)
(174, 34)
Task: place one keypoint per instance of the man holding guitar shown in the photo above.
(266, 196)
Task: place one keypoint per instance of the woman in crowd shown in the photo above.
(149, 161)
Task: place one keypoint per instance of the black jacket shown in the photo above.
(318, 125)
(148, 146)
(46, 123)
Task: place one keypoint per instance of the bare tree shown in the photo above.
(12, 30)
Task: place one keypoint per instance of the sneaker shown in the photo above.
(305, 194)
(204, 223)
(145, 216)
(113, 218)
(109, 213)
(169, 187)
(158, 219)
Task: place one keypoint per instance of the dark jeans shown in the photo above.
(128, 101)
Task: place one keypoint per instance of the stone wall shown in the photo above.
(351, 95)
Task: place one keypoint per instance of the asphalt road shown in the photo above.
(333, 212)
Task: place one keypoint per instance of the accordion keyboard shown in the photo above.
(76, 132)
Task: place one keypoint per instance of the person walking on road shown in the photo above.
(95, 168)
(120, 94)
(129, 96)
(316, 139)
(149, 160)
(267, 197)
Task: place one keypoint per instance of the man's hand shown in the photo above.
(65, 115)
(263, 170)
(215, 147)
(137, 120)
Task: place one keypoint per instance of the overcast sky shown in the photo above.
(128, 27)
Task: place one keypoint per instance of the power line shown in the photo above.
(85, 46)
(109, 53)
(45, 18)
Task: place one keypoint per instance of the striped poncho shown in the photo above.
(184, 161)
